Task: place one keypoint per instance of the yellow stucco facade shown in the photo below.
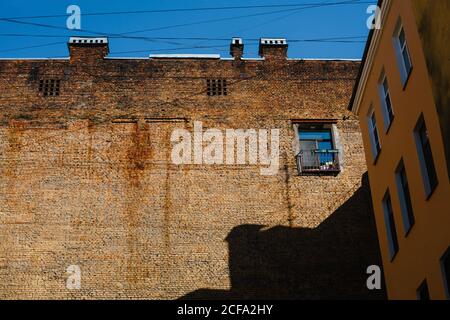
(422, 95)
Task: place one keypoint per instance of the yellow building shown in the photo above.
(402, 98)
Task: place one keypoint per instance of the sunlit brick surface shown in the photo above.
(77, 188)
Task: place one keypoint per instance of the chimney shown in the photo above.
(273, 48)
(237, 48)
(87, 49)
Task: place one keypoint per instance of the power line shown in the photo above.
(291, 13)
(323, 4)
(226, 46)
(154, 38)
(173, 10)
(126, 34)
(293, 41)
(32, 47)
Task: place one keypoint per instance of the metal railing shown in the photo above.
(318, 161)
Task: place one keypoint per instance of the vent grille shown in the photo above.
(269, 41)
(216, 87)
(49, 87)
(84, 40)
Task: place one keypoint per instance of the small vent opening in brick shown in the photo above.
(49, 87)
(216, 87)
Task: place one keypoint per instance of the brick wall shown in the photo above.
(86, 179)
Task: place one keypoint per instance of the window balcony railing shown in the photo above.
(318, 162)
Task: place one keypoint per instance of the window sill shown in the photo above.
(319, 173)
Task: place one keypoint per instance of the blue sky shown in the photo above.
(293, 23)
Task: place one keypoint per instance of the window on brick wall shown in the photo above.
(318, 152)
(49, 87)
(216, 87)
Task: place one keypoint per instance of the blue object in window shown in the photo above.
(317, 144)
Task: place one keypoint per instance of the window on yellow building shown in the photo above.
(404, 197)
(386, 102)
(389, 221)
(425, 154)
(445, 266)
(373, 133)
(422, 292)
(402, 52)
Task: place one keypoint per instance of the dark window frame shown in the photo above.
(426, 158)
(391, 229)
(404, 59)
(386, 102)
(423, 291)
(318, 161)
(404, 195)
(374, 135)
(445, 269)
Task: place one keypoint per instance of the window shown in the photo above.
(216, 87)
(386, 103)
(445, 266)
(425, 157)
(423, 292)
(317, 151)
(49, 87)
(403, 57)
(390, 225)
(404, 197)
(373, 133)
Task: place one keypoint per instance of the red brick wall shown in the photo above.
(77, 188)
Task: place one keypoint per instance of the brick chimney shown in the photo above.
(87, 49)
(273, 48)
(237, 48)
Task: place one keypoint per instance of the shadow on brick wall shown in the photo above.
(328, 262)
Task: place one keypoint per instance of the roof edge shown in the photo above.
(364, 62)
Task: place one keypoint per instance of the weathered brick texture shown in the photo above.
(86, 179)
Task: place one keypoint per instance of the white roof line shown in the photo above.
(193, 56)
(325, 59)
(67, 58)
(185, 56)
(254, 59)
(126, 58)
